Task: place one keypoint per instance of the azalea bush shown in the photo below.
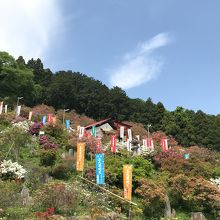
(24, 125)
(195, 194)
(153, 197)
(11, 171)
(46, 143)
(35, 128)
(216, 181)
(59, 195)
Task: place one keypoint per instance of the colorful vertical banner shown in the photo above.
(113, 143)
(149, 143)
(44, 119)
(127, 181)
(129, 145)
(67, 124)
(49, 118)
(6, 108)
(129, 134)
(80, 156)
(18, 110)
(98, 144)
(81, 132)
(100, 169)
(1, 107)
(54, 119)
(122, 132)
(186, 156)
(164, 144)
(94, 131)
(30, 115)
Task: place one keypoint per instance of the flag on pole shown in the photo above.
(49, 118)
(30, 115)
(6, 108)
(129, 134)
(149, 143)
(81, 131)
(54, 119)
(129, 145)
(164, 144)
(98, 144)
(80, 156)
(44, 119)
(127, 181)
(18, 112)
(68, 124)
(94, 131)
(113, 143)
(1, 107)
(100, 169)
(122, 132)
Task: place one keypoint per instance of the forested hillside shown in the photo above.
(74, 90)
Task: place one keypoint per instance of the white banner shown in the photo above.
(129, 134)
(1, 107)
(6, 108)
(81, 132)
(128, 145)
(122, 132)
(18, 110)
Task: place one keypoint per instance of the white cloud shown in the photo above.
(139, 66)
(29, 27)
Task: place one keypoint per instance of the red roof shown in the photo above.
(106, 120)
(98, 123)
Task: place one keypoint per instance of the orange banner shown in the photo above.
(80, 156)
(127, 181)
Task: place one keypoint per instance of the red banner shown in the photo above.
(113, 143)
(164, 144)
(50, 118)
(149, 143)
(98, 144)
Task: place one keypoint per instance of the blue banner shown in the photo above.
(44, 119)
(100, 169)
(186, 156)
(68, 124)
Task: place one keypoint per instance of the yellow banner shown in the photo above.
(127, 181)
(80, 156)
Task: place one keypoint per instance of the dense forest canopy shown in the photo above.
(74, 90)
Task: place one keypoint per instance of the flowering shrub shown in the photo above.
(35, 128)
(196, 193)
(45, 215)
(11, 171)
(170, 153)
(24, 125)
(216, 181)
(46, 143)
(60, 195)
(153, 197)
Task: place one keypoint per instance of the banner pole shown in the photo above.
(106, 190)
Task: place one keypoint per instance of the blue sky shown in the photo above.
(167, 50)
